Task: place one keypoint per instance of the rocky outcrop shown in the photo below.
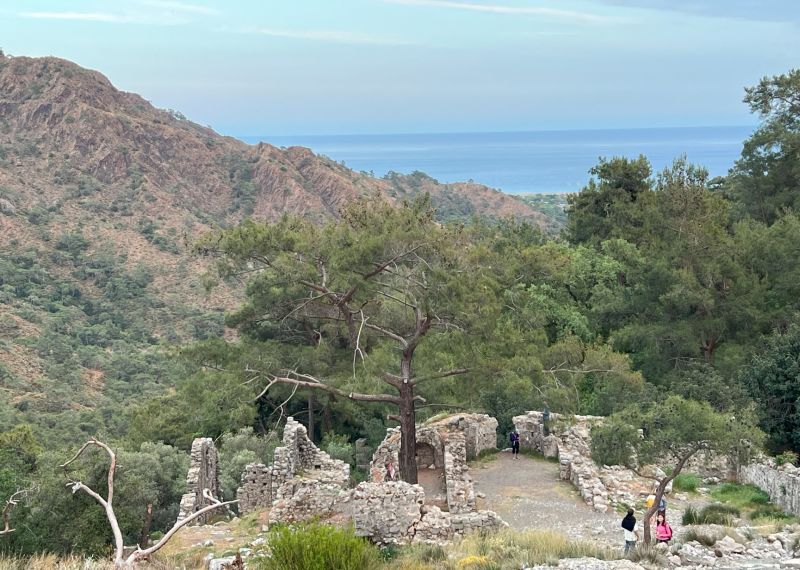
(203, 474)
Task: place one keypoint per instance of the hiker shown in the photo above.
(390, 472)
(514, 436)
(546, 421)
(631, 530)
(663, 530)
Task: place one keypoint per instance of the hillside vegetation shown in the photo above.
(664, 288)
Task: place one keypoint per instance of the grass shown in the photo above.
(648, 554)
(686, 482)
(716, 513)
(51, 562)
(742, 497)
(484, 457)
(504, 550)
(771, 513)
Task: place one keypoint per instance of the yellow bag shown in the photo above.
(650, 501)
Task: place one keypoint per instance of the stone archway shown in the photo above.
(430, 474)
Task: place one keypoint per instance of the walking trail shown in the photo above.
(527, 493)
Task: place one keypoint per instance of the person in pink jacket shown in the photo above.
(663, 530)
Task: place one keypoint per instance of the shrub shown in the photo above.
(711, 514)
(649, 554)
(318, 547)
(789, 457)
(770, 511)
(706, 537)
(686, 482)
(338, 447)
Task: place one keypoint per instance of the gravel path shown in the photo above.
(527, 493)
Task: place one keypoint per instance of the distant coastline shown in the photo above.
(529, 162)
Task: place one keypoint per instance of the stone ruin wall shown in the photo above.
(306, 483)
(203, 474)
(454, 440)
(256, 490)
(460, 489)
(601, 487)
(782, 483)
(394, 512)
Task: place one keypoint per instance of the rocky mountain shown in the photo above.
(100, 193)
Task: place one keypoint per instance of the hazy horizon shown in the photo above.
(419, 66)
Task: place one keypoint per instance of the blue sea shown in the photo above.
(523, 162)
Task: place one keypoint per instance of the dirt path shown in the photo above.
(527, 493)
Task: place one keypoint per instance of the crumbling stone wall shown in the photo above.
(306, 482)
(256, 490)
(479, 430)
(298, 453)
(394, 512)
(460, 489)
(602, 487)
(782, 483)
(203, 474)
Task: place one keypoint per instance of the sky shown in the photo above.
(289, 67)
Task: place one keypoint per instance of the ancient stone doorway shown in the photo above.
(431, 476)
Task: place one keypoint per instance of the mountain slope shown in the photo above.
(100, 193)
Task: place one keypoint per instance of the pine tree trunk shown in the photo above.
(408, 432)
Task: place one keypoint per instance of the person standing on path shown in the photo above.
(631, 531)
(514, 437)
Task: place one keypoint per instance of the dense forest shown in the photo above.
(660, 285)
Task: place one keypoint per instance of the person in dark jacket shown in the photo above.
(514, 437)
(631, 530)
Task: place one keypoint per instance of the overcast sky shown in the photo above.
(276, 67)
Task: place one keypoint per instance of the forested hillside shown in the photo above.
(101, 197)
(662, 283)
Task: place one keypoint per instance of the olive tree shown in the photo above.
(668, 434)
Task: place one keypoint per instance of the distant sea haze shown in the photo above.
(523, 162)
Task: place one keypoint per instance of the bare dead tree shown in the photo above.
(11, 502)
(107, 503)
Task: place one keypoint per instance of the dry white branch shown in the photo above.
(107, 503)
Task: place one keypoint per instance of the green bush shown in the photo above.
(318, 547)
(338, 447)
(686, 482)
(789, 457)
